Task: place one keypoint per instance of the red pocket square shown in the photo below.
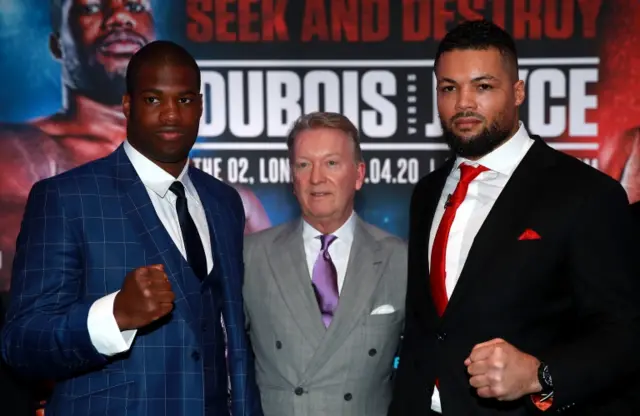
(529, 234)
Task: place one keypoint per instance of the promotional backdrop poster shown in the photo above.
(264, 63)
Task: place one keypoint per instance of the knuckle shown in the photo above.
(151, 306)
(495, 378)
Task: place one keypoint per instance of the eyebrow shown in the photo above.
(156, 91)
(476, 79)
(321, 157)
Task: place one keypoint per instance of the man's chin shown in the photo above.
(468, 135)
(115, 66)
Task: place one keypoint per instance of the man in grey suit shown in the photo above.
(325, 293)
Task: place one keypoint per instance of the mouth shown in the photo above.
(319, 194)
(170, 135)
(467, 122)
(120, 48)
(120, 44)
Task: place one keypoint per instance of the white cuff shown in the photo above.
(436, 406)
(103, 328)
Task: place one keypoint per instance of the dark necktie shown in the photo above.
(192, 242)
(325, 281)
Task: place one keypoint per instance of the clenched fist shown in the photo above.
(146, 296)
(501, 371)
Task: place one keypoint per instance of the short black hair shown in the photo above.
(159, 52)
(480, 35)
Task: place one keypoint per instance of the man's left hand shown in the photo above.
(501, 371)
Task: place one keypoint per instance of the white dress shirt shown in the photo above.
(339, 250)
(482, 194)
(103, 329)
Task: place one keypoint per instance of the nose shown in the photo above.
(169, 113)
(119, 16)
(317, 175)
(466, 99)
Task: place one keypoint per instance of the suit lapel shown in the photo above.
(158, 246)
(361, 281)
(287, 259)
(500, 228)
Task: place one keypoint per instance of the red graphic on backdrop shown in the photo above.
(531, 19)
(237, 21)
(346, 20)
(618, 114)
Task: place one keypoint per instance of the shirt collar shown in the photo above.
(344, 233)
(505, 158)
(154, 177)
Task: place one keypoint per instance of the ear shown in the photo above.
(361, 170)
(519, 92)
(54, 45)
(126, 105)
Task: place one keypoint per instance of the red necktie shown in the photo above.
(438, 271)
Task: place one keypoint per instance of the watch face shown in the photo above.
(546, 377)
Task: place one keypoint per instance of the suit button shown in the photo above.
(195, 355)
(278, 344)
(298, 391)
(372, 352)
(348, 396)
(441, 336)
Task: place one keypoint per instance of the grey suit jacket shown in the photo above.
(302, 368)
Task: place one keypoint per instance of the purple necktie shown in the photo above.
(325, 280)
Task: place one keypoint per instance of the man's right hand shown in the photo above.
(146, 296)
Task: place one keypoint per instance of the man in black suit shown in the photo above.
(523, 290)
(635, 210)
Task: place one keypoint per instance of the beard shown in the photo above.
(83, 72)
(479, 145)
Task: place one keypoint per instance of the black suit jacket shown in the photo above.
(635, 211)
(570, 298)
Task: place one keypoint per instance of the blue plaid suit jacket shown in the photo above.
(82, 232)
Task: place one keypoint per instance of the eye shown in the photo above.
(302, 165)
(332, 163)
(185, 100)
(484, 87)
(135, 7)
(89, 9)
(150, 100)
(447, 88)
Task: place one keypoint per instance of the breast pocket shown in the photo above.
(385, 319)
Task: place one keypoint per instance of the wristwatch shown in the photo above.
(544, 378)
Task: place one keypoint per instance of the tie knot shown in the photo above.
(469, 173)
(326, 240)
(177, 188)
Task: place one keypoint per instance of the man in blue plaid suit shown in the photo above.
(125, 266)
